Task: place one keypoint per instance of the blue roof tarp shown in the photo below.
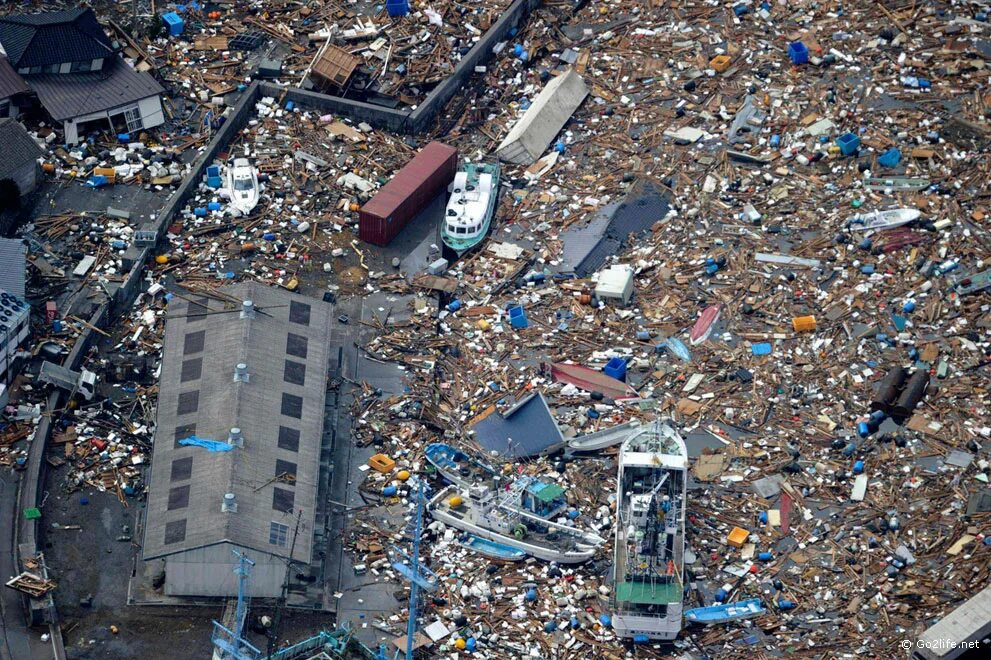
(209, 445)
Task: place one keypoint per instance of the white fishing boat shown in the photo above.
(480, 512)
(878, 220)
(648, 580)
(474, 193)
(242, 185)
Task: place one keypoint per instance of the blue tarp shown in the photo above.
(209, 445)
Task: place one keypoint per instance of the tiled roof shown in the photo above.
(53, 38)
(17, 146)
(10, 82)
(65, 96)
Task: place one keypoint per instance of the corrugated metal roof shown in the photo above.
(10, 82)
(264, 408)
(412, 176)
(13, 253)
(526, 429)
(53, 38)
(586, 248)
(18, 148)
(65, 96)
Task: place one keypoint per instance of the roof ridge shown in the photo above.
(242, 358)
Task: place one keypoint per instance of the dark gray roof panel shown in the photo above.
(526, 429)
(10, 82)
(19, 149)
(53, 38)
(65, 96)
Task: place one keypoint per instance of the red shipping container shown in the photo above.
(411, 189)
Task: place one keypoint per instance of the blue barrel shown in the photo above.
(909, 306)
(471, 644)
(775, 141)
(866, 244)
(118, 244)
(606, 620)
(199, 212)
(454, 305)
(57, 325)
(643, 335)
(390, 491)
(268, 236)
(550, 626)
(641, 639)
(531, 595)
(720, 595)
(867, 270)
(762, 517)
(785, 604)
(863, 430)
(213, 206)
(858, 467)
(290, 105)
(765, 556)
(575, 623)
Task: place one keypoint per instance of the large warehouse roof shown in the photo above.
(278, 406)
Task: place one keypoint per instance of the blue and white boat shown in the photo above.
(456, 466)
(726, 612)
(491, 549)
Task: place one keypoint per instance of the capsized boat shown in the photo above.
(491, 549)
(456, 466)
(894, 184)
(878, 220)
(648, 565)
(481, 512)
(242, 185)
(726, 612)
(474, 193)
(703, 326)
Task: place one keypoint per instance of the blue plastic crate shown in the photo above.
(397, 7)
(798, 52)
(175, 24)
(517, 318)
(848, 144)
(762, 348)
(615, 368)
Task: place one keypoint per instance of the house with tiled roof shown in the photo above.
(73, 67)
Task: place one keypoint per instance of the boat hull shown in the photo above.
(459, 246)
(492, 550)
(654, 627)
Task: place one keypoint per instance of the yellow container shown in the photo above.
(381, 463)
(455, 502)
(804, 323)
(738, 537)
(403, 475)
(720, 63)
(483, 324)
(162, 259)
(108, 172)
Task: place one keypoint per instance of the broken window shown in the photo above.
(178, 498)
(288, 438)
(184, 431)
(191, 370)
(292, 405)
(175, 531)
(189, 402)
(299, 313)
(296, 346)
(193, 343)
(182, 469)
(197, 309)
(285, 467)
(295, 372)
(282, 500)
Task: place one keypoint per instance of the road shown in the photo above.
(19, 641)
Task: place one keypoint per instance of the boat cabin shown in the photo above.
(543, 499)
(468, 205)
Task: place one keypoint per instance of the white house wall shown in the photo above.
(150, 109)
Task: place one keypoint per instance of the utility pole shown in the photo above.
(274, 633)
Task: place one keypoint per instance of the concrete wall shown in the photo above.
(422, 118)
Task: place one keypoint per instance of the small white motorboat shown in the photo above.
(878, 220)
(242, 185)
